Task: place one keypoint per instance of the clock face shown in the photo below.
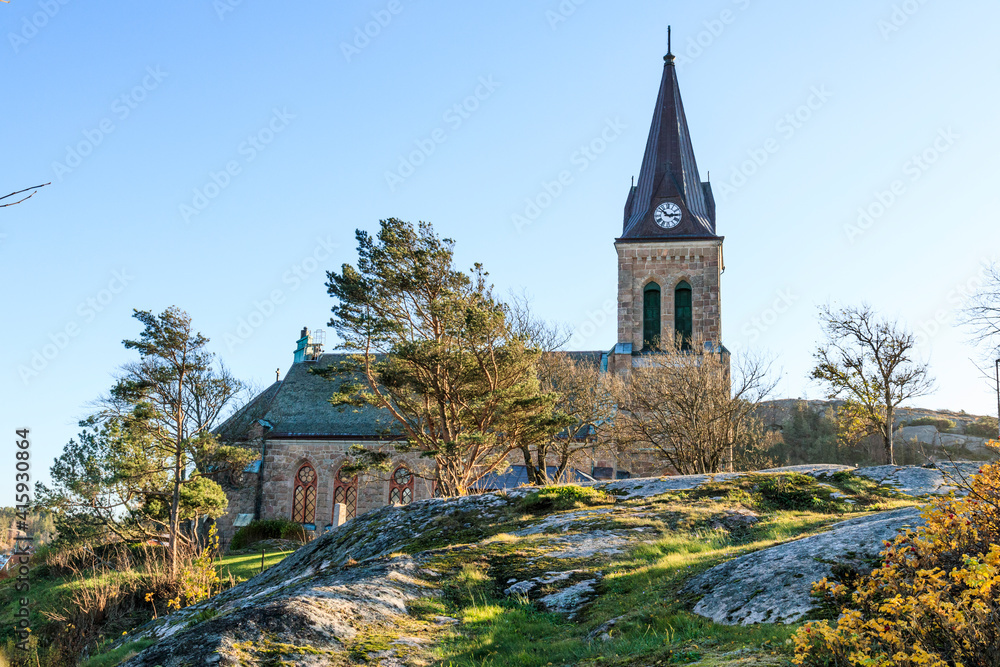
(667, 215)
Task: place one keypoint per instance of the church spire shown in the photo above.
(669, 172)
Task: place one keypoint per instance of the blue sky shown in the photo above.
(219, 155)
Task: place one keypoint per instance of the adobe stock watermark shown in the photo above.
(786, 128)
(292, 279)
(595, 320)
(454, 117)
(713, 29)
(223, 7)
(901, 14)
(956, 298)
(762, 322)
(121, 108)
(562, 12)
(581, 159)
(86, 312)
(30, 27)
(363, 35)
(913, 170)
(248, 150)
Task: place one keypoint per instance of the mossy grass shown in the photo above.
(641, 590)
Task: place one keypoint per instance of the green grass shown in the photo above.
(118, 655)
(247, 566)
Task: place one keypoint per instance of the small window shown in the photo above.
(304, 497)
(345, 491)
(651, 317)
(683, 315)
(401, 487)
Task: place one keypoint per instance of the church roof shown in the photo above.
(299, 407)
(669, 172)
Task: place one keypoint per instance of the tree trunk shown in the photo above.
(529, 466)
(890, 455)
(175, 501)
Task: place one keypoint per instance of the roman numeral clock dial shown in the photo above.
(667, 215)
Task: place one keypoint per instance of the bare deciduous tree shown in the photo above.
(981, 311)
(867, 362)
(34, 189)
(687, 408)
(584, 407)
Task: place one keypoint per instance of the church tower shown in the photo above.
(669, 256)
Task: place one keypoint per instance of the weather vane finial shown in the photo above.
(669, 58)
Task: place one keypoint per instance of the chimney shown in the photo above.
(310, 346)
(301, 345)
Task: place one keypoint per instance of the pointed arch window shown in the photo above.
(683, 315)
(304, 497)
(401, 487)
(651, 317)
(345, 491)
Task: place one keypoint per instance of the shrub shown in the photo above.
(942, 425)
(270, 529)
(983, 427)
(933, 602)
(564, 497)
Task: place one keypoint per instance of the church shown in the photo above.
(670, 264)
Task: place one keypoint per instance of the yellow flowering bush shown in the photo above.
(934, 602)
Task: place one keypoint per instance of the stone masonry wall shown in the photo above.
(668, 263)
(241, 501)
(284, 458)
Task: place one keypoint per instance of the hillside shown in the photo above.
(678, 570)
(779, 410)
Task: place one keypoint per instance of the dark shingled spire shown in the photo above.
(669, 171)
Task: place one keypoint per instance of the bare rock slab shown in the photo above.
(774, 585)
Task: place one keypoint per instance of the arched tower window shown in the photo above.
(345, 491)
(683, 315)
(304, 497)
(651, 317)
(401, 487)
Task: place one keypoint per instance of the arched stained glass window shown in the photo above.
(304, 497)
(345, 491)
(401, 487)
(683, 315)
(651, 317)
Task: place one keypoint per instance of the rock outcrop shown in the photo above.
(347, 597)
(773, 585)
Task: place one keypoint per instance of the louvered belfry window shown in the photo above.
(401, 487)
(651, 317)
(304, 498)
(683, 315)
(345, 490)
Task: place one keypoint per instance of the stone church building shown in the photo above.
(670, 263)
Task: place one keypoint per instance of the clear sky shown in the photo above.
(218, 156)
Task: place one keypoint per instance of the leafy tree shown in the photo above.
(810, 437)
(436, 350)
(867, 361)
(686, 407)
(143, 464)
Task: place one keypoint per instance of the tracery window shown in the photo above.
(651, 317)
(304, 497)
(345, 490)
(401, 487)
